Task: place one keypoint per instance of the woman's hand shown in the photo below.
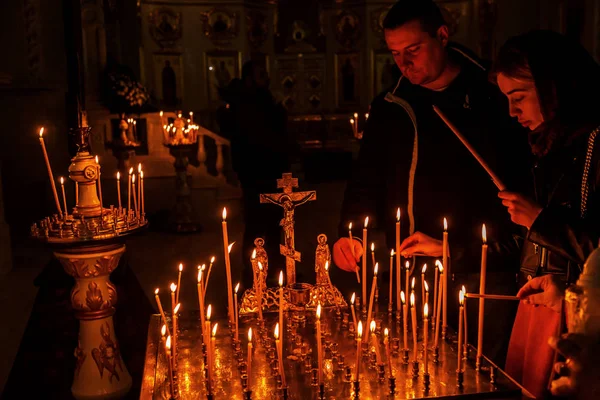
(545, 290)
(523, 211)
(419, 244)
(342, 254)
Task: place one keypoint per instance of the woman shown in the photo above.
(553, 86)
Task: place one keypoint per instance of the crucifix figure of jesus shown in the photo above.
(288, 200)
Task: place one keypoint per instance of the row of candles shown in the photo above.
(354, 124)
(181, 131)
(134, 192)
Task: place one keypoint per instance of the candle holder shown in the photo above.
(283, 392)
(247, 394)
(209, 396)
(479, 364)
(244, 379)
(278, 380)
(314, 381)
(321, 391)
(381, 371)
(365, 349)
(415, 369)
(436, 354)
(340, 362)
(444, 332)
(392, 385)
(345, 319)
(395, 346)
(335, 349)
(405, 356)
(426, 381)
(372, 360)
(274, 367)
(243, 367)
(307, 364)
(347, 373)
(460, 377)
(493, 373)
(356, 388)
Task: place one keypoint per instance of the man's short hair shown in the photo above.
(424, 11)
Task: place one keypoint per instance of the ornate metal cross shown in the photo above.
(289, 200)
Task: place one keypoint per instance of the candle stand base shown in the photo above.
(283, 393)
(356, 388)
(426, 380)
(493, 373)
(405, 356)
(247, 394)
(436, 354)
(415, 369)
(321, 391)
(392, 385)
(478, 364)
(395, 346)
(314, 381)
(460, 378)
(348, 374)
(381, 371)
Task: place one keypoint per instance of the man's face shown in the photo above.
(420, 57)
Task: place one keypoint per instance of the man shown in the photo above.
(410, 159)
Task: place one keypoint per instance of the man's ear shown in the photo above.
(442, 35)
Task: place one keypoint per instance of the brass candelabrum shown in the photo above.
(88, 242)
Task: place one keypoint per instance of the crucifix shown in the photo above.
(288, 200)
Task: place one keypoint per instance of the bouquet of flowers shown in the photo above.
(132, 93)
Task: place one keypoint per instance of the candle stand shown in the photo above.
(89, 243)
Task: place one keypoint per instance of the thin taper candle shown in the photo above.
(212, 261)
(119, 189)
(62, 187)
(135, 202)
(352, 249)
(425, 337)
(161, 311)
(352, 309)
(398, 266)
(423, 270)
(50, 174)
(129, 192)
(413, 314)
(386, 343)
(391, 292)
(279, 347)
(142, 191)
(373, 288)
(235, 312)
(405, 319)
(374, 341)
(260, 293)
(201, 303)
(102, 203)
(439, 306)
(249, 363)
(139, 189)
(435, 291)
(447, 270)
(364, 267)
(178, 282)
(227, 264)
(359, 330)
(281, 303)
(460, 330)
(319, 345)
(482, 277)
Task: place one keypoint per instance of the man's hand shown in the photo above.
(545, 290)
(523, 211)
(342, 254)
(419, 244)
(580, 372)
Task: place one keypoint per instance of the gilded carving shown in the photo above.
(73, 266)
(80, 357)
(165, 27)
(112, 293)
(107, 354)
(93, 298)
(322, 256)
(107, 264)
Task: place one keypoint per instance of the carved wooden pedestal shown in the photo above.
(99, 371)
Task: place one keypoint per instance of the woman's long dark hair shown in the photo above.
(566, 76)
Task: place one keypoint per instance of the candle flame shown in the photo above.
(464, 289)
(168, 344)
(372, 326)
(355, 115)
(130, 170)
(350, 226)
(253, 254)
(133, 179)
(118, 175)
(375, 269)
(412, 299)
(441, 268)
(326, 266)
(212, 260)
(214, 331)
(141, 174)
(426, 286)
(163, 330)
(180, 267)
(96, 159)
(62, 180)
(176, 310)
(173, 287)
(461, 297)
(412, 283)
(224, 213)
(202, 267)
(156, 291)
(484, 234)
(392, 252)
(319, 310)
(407, 265)
(398, 215)
(386, 332)
(445, 224)
(276, 332)
(250, 334)
(229, 248)
(372, 246)
(199, 275)
(351, 120)
(353, 298)
(424, 269)
(438, 263)
(367, 116)
(208, 311)
(191, 113)
(161, 113)
(42, 131)
(359, 329)
(426, 310)
(139, 167)
(402, 297)
(280, 278)
(366, 222)
(237, 287)
(259, 266)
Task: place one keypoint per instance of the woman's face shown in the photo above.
(523, 102)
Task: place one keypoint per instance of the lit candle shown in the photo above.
(327, 274)
(445, 277)
(213, 340)
(249, 366)
(439, 305)
(279, 347)
(466, 341)
(461, 300)
(135, 202)
(102, 207)
(352, 249)
(160, 309)
(407, 277)
(129, 192)
(201, 303)
(281, 302)
(373, 254)
(50, 175)
(161, 118)
(76, 193)
(119, 189)
(353, 126)
(175, 329)
(352, 309)
(391, 292)
(398, 269)
(178, 282)
(358, 350)
(235, 312)
(356, 122)
(405, 317)
(173, 305)
(425, 335)
(484, 247)
(212, 261)
(366, 116)
(62, 187)
(319, 346)
(413, 314)
(426, 286)
(435, 290)
(364, 267)
(374, 342)
(207, 332)
(142, 191)
(191, 117)
(423, 270)
(373, 287)
(170, 363)
(386, 343)
(227, 264)
(139, 189)
(260, 293)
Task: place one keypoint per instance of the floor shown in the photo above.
(154, 257)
